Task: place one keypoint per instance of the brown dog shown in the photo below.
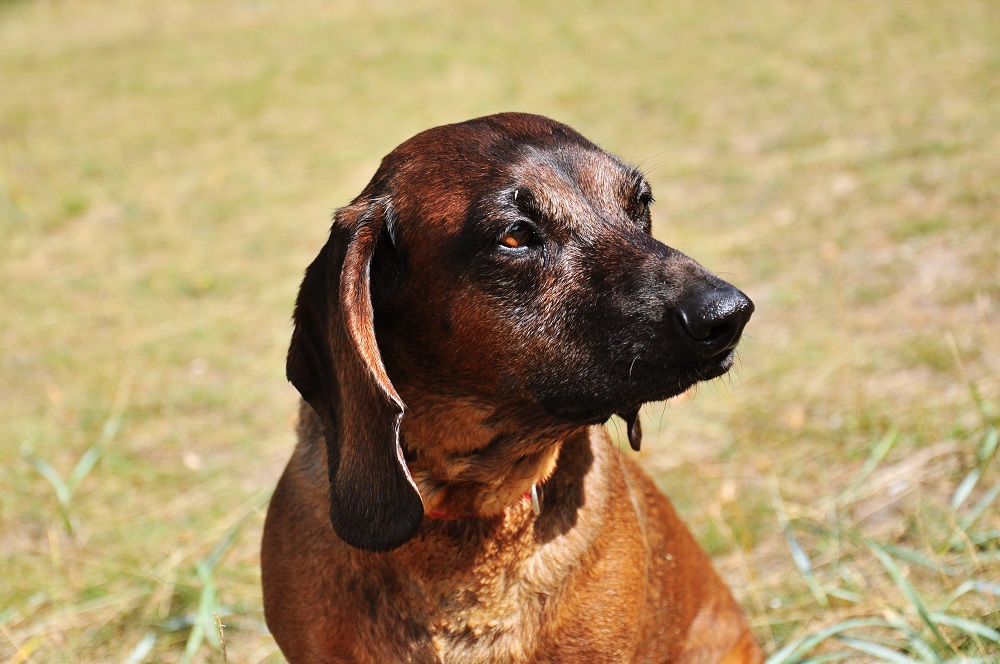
(490, 299)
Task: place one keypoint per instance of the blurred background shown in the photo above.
(167, 171)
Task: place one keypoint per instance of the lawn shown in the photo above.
(167, 171)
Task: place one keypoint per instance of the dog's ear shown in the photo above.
(334, 362)
(631, 418)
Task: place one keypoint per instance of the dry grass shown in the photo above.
(167, 171)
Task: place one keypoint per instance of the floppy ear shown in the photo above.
(334, 362)
(634, 428)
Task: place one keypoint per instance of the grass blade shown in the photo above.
(799, 556)
(194, 640)
(983, 587)
(204, 624)
(828, 657)
(224, 543)
(64, 496)
(45, 469)
(967, 626)
(907, 589)
(794, 651)
(984, 453)
(143, 648)
(846, 595)
(83, 468)
(876, 650)
(878, 452)
(987, 588)
(208, 603)
(917, 643)
(920, 559)
(989, 445)
(979, 507)
(965, 487)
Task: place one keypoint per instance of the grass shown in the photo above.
(167, 171)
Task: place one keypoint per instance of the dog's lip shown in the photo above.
(644, 386)
(686, 375)
(681, 379)
(725, 362)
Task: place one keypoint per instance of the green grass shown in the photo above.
(167, 170)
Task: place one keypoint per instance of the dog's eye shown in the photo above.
(643, 202)
(517, 235)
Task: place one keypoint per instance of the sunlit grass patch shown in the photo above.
(922, 593)
(168, 170)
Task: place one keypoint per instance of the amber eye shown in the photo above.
(517, 235)
(645, 200)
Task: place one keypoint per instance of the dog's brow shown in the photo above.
(573, 185)
(607, 183)
(554, 191)
(634, 178)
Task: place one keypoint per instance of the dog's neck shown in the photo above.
(471, 462)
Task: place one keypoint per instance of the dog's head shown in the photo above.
(503, 261)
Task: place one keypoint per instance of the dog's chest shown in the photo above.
(487, 625)
(479, 601)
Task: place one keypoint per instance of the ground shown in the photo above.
(167, 170)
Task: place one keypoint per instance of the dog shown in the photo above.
(480, 310)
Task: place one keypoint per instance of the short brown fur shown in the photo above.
(446, 376)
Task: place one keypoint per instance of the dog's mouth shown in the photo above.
(636, 385)
(656, 381)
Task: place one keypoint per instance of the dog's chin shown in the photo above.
(658, 383)
(642, 388)
(720, 366)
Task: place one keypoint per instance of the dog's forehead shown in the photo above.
(562, 180)
(440, 175)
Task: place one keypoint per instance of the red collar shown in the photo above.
(533, 496)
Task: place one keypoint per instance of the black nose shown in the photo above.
(713, 320)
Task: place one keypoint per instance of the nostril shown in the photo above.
(719, 333)
(714, 320)
(708, 332)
